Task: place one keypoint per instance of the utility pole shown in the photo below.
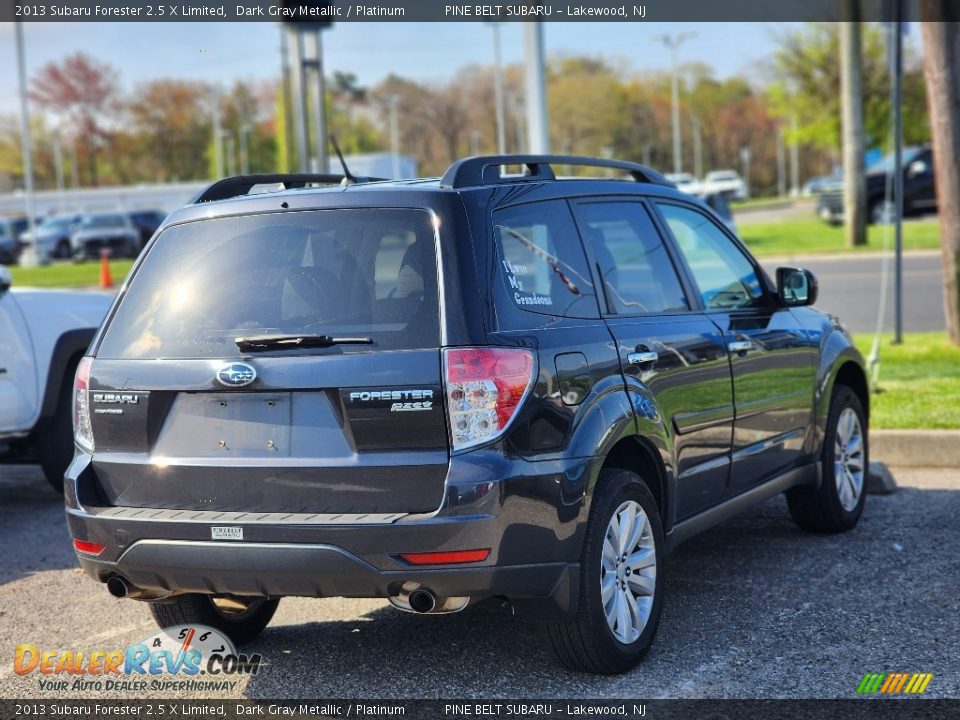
(941, 65)
(851, 90)
(217, 131)
(26, 147)
(298, 86)
(794, 156)
(392, 103)
(697, 148)
(538, 133)
(781, 164)
(287, 128)
(896, 102)
(498, 90)
(672, 43)
(58, 168)
(245, 149)
(318, 99)
(231, 154)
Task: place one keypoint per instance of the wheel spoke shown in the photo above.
(637, 621)
(623, 616)
(607, 588)
(641, 560)
(642, 584)
(855, 444)
(855, 462)
(609, 551)
(625, 521)
(639, 525)
(611, 610)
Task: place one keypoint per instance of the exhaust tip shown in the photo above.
(118, 587)
(422, 601)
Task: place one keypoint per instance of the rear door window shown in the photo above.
(367, 273)
(638, 275)
(541, 263)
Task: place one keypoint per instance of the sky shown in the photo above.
(427, 52)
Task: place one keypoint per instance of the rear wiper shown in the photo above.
(292, 342)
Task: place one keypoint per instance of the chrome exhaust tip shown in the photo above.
(415, 598)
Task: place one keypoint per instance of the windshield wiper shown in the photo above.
(293, 342)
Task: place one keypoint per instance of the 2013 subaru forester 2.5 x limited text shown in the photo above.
(485, 387)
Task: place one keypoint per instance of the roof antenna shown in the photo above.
(348, 178)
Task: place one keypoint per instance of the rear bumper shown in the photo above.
(278, 570)
(532, 522)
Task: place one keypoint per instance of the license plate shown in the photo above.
(226, 533)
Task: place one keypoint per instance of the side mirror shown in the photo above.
(6, 279)
(796, 286)
(917, 167)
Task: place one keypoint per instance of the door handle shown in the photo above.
(646, 357)
(740, 346)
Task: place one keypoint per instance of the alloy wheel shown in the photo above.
(848, 459)
(628, 573)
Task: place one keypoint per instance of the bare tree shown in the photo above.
(941, 49)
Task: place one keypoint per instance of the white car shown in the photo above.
(43, 335)
(685, 182)
(727, 182)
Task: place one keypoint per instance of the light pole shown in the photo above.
(538, 135)
(217, 130)
(26, 148)
(672, 43)
(245, 149)
(318, 98)
(298, 83)
(392, 102)
(498, 90)
(697, 148)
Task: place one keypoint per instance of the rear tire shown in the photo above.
(55, 444)
(590, 642)
(196, 609)
(837, 504)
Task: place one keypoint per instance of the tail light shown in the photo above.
(82, 429)
(485, 387)
(90, 548)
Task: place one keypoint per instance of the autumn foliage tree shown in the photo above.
(82, 92)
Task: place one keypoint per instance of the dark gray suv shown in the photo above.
(485, 387)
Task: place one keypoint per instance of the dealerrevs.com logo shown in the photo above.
(186, 657)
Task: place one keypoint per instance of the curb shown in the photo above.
(917, 448)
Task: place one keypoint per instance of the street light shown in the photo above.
(672, 43)
(498, 90)
(392, 102)
(25, 144)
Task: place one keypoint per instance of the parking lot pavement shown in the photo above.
(755, 608)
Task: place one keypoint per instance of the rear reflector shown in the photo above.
(90, 548)
(446, 558)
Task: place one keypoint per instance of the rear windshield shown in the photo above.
(344, 273)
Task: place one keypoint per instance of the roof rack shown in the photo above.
(485, 169)
(239, 185)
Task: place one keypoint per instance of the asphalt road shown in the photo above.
(850, 288)
(755, 608)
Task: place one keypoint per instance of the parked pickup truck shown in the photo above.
(43, 334)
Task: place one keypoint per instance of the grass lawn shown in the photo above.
(68, 275)
(814, 236)
(919, 382)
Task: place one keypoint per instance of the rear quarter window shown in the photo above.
(541, 266)
(364, 272)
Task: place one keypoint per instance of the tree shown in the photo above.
(84, 92)
(174, 126)
(851, 90)
(941, 44)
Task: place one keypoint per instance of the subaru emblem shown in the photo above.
(236, 374)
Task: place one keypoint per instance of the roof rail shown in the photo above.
(485, 169)
(239, 185)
